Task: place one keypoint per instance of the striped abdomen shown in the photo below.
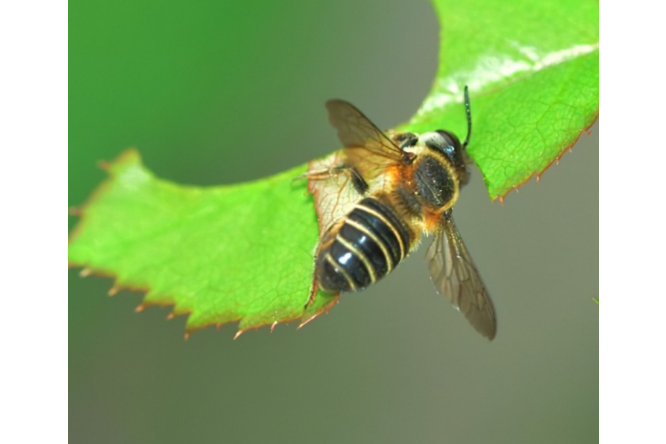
(370, 243)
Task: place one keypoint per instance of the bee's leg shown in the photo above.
(358, 181)
(405, 140)
(321, 174)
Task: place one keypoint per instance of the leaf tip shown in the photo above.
(113, 291)
(139, 308)
(104, 164)
(318, 313)
(238, 333)
(75, 211)
(85, 272)
(129, 156)
(273, 325)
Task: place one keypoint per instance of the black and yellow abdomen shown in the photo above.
(370, 242)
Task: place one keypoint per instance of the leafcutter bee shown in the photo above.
(378, 195)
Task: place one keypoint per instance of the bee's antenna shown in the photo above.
(468, 111)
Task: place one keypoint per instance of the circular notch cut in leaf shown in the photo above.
(532, 69)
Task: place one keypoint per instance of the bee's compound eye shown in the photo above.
(450, 138)
(441, 141)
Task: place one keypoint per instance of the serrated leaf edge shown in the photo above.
(132, 154)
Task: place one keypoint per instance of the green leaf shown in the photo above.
(223, 254)
(220, 254)
(533, 72)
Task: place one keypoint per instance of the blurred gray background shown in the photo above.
(197, 89)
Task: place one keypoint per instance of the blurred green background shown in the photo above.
(221, 92)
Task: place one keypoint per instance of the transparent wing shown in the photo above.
(334, 196)
(367, 147)
(454, 274)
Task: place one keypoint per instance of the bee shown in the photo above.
(379, 195)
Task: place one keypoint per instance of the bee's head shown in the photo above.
(449, 145)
